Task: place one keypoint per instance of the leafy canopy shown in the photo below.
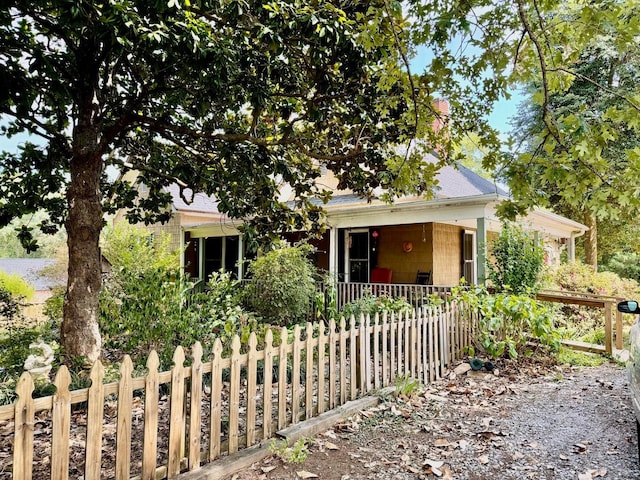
(230, 98)
(579, 147)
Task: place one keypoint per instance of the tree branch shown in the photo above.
(604, 88)
(543, 70)
(163, 128)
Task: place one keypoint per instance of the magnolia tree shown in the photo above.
(230, 98)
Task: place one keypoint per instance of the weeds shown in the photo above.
(406, 386)
(296, 453)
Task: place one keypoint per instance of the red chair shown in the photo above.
(381, 275)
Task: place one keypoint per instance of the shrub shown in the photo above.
(16, 285)
(16, 337)
(586, 323)
(142, 310)
(579, 277)
(369, 304)
(282, 285)
(218, 312)
(624, 264)
(517, 261)
(137, 250)
(508, 322)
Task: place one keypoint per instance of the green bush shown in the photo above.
(219, 313)
(282, 285)
(143, 299)
(517, 260)
(143, 310)
(625, 265)
(16, 285)
(16, 337)
(369, 304)
(579, 277)
(156, 309)
(508, 322)
(137, 250)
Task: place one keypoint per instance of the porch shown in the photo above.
(444, 237)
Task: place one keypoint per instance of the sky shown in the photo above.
(503, 111)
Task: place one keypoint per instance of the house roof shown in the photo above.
(456, 182)
(453, 182)
(199, 202)
(30, 270)
(460, 195)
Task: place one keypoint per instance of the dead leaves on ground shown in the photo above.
(460, 416)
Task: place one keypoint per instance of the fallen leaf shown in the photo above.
(600, 472)
(483, 459)
(395, 411)
(441, 442)
(268, 469)
(489, 434)
(434, 463)
(304, 474)
(447, 473)
(331, 446)
(580, 448)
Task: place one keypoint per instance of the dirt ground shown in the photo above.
(523, 421)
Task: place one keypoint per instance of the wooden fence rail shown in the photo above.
(612, 317)
(164, 423)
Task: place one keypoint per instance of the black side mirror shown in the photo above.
(629, 306)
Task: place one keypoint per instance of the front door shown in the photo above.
(357, 261)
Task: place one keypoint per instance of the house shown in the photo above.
(445, 236)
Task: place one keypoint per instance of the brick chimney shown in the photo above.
(441, 109)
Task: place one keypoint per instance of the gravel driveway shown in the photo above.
(524, 421)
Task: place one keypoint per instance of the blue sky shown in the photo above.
(503, 110)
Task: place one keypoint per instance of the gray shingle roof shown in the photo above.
(462, 182)
(200, 202)
(454, 182)
(29, 269)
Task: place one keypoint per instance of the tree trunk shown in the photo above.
(591, 240)
(80, 333)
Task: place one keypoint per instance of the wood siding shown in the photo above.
(405, 265)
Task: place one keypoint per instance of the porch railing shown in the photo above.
(416, 295)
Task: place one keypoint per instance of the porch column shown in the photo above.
(571, 250)
(240, 257)
(481, 249)
(333, 252)
(182, 250)
(201, 259)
